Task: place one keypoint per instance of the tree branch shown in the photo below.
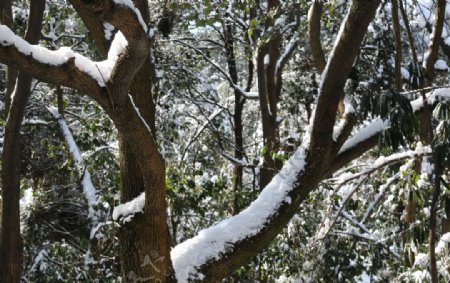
(336, 72)
(314, 15)
(433, 48)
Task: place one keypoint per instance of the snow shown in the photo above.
(348, 106)
(446, 237)
(439, 94)
(27, 199)
(251, 94)
(348, 109)
(365, 133)
(213, 241)
(443, 243)
(337, 130)
(383, 161)
(139, 114)
(108, 29)
(364, 278)
(441, 65)
(286, 52)
(447, 41)
(405, 73)
(73, 148)
(127, 210)
(267, 59)
(99, 71)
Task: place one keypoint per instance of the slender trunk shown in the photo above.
(315, 12)
(238, 151)
(433, 214)
(11, 241)
(6, 19)
(398, 45)
(239, 101)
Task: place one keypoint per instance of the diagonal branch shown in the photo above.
(433, 48)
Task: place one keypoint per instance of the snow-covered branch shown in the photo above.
(89, 189)
(190, 256)
(62, 66)
(382, 161)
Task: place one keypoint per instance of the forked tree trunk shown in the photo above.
(269, 93)
(11, 241)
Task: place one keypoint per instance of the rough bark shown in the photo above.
(11, 241)
(149, 230)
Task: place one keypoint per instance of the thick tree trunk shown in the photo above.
(145, 241)
(11, 242)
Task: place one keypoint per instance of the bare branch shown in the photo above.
(433, 48)
(315, 12)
